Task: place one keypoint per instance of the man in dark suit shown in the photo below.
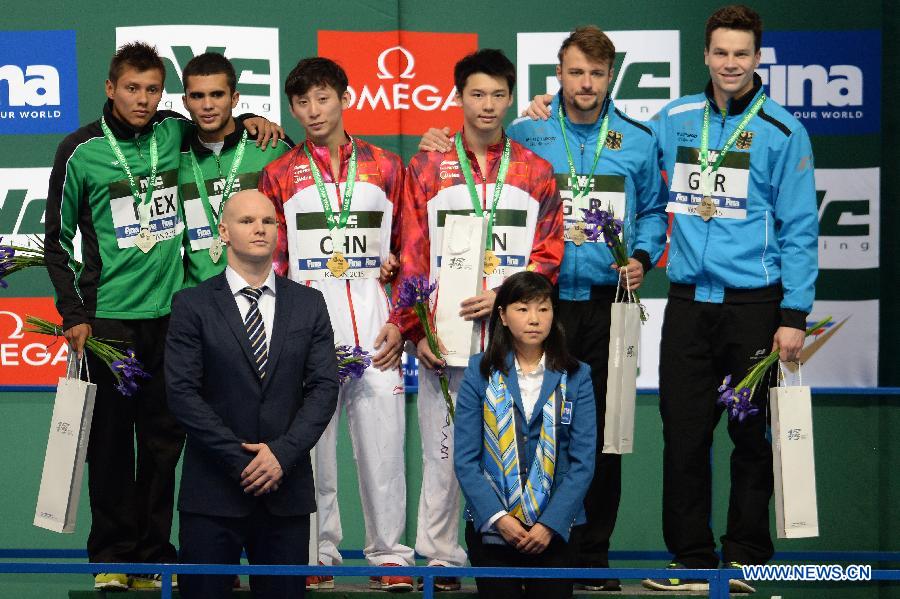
(252, 376)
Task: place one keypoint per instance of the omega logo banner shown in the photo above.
(401, 82)
(29, 359)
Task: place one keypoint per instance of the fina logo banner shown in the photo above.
(830, 80)
(849, 221)
(38, 82)
(400, 81)
(252, 50)
(647, 77)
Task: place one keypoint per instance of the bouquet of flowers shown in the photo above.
(352, 362)
(414, 293)
(14, 258)
(124, 366)
(737, 399)
(601, 223)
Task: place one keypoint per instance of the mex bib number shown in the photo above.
(199, 229)
(165, 223)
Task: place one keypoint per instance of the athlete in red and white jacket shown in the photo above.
(528, 226)
(357, 303)
(527, 234)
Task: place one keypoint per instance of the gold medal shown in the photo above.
(337, 264)
(491, 262)
(216, 249)
(145, 240)
(576, 234)
(706, 209)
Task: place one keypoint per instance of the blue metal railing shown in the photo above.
(861, 557)
(718, 579)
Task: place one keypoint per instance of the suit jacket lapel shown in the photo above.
(551, 380)
(283, 310)
(232, 316)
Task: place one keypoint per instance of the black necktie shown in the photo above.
(256, 330)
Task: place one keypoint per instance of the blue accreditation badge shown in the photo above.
(566, 416)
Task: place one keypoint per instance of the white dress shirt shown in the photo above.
(266, 301)
(530, 386)
(530, 391)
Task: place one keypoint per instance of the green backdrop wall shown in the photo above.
(856, 447)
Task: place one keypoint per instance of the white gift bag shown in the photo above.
(70, 429)
(461, 272)
(793, 464)
(621, 378)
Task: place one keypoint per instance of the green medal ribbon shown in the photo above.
(704, 140)
(212, 216)
(143, 205)
(466, 168)
(601, 141)
(330, 219)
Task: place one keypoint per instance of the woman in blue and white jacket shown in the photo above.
(525, 441)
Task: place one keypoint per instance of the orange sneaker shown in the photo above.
(393, 584)
(319, 583)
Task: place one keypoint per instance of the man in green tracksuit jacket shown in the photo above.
(216, 161)
(115, 181)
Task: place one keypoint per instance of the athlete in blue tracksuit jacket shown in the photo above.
(627, 178)
(742, 265)
(628, 181)
(765, 232)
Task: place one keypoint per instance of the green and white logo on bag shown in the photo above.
(730, 183)
(511, 237)
(165, 223)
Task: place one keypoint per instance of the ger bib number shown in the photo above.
(728, 184)
(606, 192)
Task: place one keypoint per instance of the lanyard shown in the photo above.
(704, 141)
(323, 193)
(466, 168)
(601, 141)
(229, 184)
(143, 205)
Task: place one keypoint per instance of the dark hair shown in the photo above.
(140, 56)
(595, 44)
(736, 16)
(524, 287)
(487, 61)
(314, 72)
(210, 63)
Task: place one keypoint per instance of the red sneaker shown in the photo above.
(319, 583)
(393, 584)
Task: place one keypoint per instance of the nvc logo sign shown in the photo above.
(647, 68)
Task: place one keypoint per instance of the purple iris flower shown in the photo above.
(352, 362)
(414, 290)
(6, 253)
(127, 371)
